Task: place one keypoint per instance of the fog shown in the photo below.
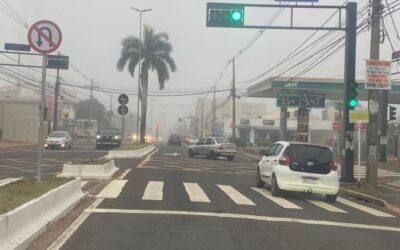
(93, 30)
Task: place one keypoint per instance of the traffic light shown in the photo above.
(225, 15)
(392, 113)
(352, 93)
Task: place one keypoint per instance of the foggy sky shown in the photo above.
(93, 29)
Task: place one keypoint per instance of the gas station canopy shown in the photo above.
(332, 88)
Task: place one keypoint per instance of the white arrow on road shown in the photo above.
(174, 154)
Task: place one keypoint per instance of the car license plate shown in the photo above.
(310, 180)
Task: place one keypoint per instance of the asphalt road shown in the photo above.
(176, 202)
(22, 161)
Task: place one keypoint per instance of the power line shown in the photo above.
(394, 25)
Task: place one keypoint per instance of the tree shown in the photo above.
(97, 110)
(155, 56)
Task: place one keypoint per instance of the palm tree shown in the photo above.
(155, 56)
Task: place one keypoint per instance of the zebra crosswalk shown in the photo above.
(363, 171)
(154, 191)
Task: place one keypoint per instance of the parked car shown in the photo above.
(213, 147)
(175, 139)
(109, 137)
(58, 139)
(300, 167)
(193, 140)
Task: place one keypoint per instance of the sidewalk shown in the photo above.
(12, 144)
(387, 194)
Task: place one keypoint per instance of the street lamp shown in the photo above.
(140, 74)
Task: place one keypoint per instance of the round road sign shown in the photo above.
(122, 110)
(44, 36)
(123, 99)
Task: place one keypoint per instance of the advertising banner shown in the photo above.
(377, 75)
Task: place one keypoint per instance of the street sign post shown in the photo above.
(44, 36)
(17, 47)
(359, 117)
(123, 99)
(57, 62)
(123, 110)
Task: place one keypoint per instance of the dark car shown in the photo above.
(109, 137)
(175, 139)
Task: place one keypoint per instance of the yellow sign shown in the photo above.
(356, 116)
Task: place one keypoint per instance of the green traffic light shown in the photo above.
(353, 103)
(236, 15)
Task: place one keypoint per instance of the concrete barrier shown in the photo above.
(20, 227)
(89, 171)
(130, 154)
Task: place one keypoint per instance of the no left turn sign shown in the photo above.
(44, 36)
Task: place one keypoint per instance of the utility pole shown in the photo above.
(233, 101)
(202, 119)
(214, 118)
(111, 109)
(139, 70)
(383, 105)
(373, 101)
(90, 107)
(56, 93)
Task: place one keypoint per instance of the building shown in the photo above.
(19, 112)
(246, 108)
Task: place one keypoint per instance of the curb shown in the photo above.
(18, 228)
(371, 199)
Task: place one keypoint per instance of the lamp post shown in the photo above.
(140, 73)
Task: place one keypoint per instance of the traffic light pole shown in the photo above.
(349, 79)
(373, 102)
(383, 124)
(217, 17)
(233, 101)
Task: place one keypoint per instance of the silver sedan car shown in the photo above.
(213, 147)
(58, 139)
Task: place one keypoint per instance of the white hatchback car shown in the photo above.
(301, 167)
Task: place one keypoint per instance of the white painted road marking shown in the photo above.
(113, 189)
(364, 208)
(278, 200)
(154, 191)
(83, 183)
(246, 217)
(196, 194)
(236, 196)
(60, 241)
(122, 176)
(326, 206)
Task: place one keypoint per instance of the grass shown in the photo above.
(17, 193)
(133, 146)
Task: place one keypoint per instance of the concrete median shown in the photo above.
(90, 171)
(130, 154)
(20, 227)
